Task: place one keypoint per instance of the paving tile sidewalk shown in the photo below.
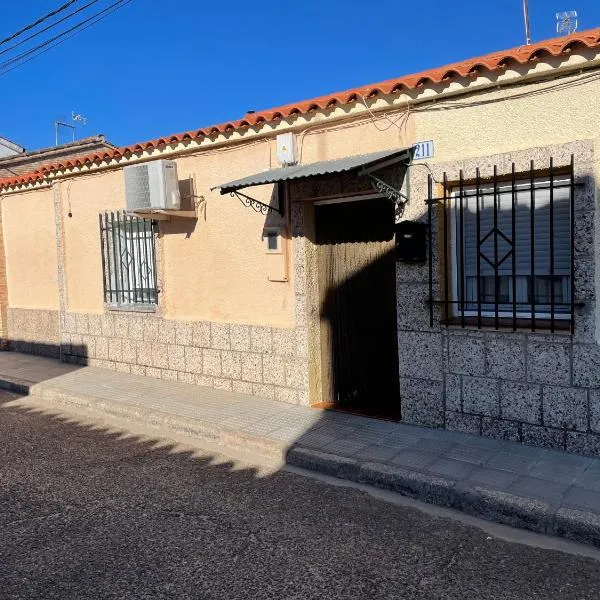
(541, 490)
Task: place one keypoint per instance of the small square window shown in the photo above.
(272, 241)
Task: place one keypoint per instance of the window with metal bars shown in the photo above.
(507, 249)
(128, 259)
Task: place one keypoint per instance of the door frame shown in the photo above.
(313, 292)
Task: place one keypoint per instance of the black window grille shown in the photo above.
(506, 245)
(128, 259)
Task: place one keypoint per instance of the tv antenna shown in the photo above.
(566, 22)
(526, 17)
(76, 119)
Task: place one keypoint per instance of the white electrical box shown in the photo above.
(276, 254)
(286, 149)
(152, 186)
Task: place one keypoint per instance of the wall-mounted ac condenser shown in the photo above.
(152, 186)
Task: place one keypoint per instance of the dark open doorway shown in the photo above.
(357, 286)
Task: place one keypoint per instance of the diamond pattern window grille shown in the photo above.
(128, 259)
(507, 248)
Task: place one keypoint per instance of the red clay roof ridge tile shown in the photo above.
(490, 62)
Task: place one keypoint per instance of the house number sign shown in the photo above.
(423, 150)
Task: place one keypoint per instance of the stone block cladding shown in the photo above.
(269, 362)
(33, 331)
(262, 361)
(533, 387)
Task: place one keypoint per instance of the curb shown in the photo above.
(193, 428)
(491, 505)
(481, 502)
(18, 386)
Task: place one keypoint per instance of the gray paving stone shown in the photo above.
(510, 462)
(377, 453)
(471, 454)
(344, 447)
(440, 444)
(541, 489)
(398, 440)
(552, 470)
(492, 478)
(415, 459)
(590, 478)
(454, 469)
(582, 499)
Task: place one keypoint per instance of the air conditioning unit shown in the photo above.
(152, 186)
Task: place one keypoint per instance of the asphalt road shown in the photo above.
(86, 514)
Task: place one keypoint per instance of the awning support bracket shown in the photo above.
(391, 193)
(259, 207)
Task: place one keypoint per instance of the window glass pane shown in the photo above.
(487, 240)
(272, 240)
(129, 260)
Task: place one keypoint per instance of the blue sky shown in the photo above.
(155, 67)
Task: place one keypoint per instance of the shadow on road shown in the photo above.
(90, 511)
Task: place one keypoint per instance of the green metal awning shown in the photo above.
(364, 163)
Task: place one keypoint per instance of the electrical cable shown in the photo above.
(449, 104)
(41, 48)
(47, 28)
(40, 20)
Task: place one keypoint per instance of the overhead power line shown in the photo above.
(28, 55)
(36, 23)
(48, 27)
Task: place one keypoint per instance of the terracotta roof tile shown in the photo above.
(470, 67)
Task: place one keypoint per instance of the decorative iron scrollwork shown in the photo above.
(256, 205)
(391, 193)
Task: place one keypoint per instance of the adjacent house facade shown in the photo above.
(431, 256)
(15, 160)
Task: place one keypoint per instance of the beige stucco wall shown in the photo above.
(30, 247)
(84, 198)
(535, 120)
(213, 268)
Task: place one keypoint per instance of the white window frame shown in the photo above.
(454, 270)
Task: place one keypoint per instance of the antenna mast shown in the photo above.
(526, 15)
(76, 119)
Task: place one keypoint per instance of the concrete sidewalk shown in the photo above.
(540, 490)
